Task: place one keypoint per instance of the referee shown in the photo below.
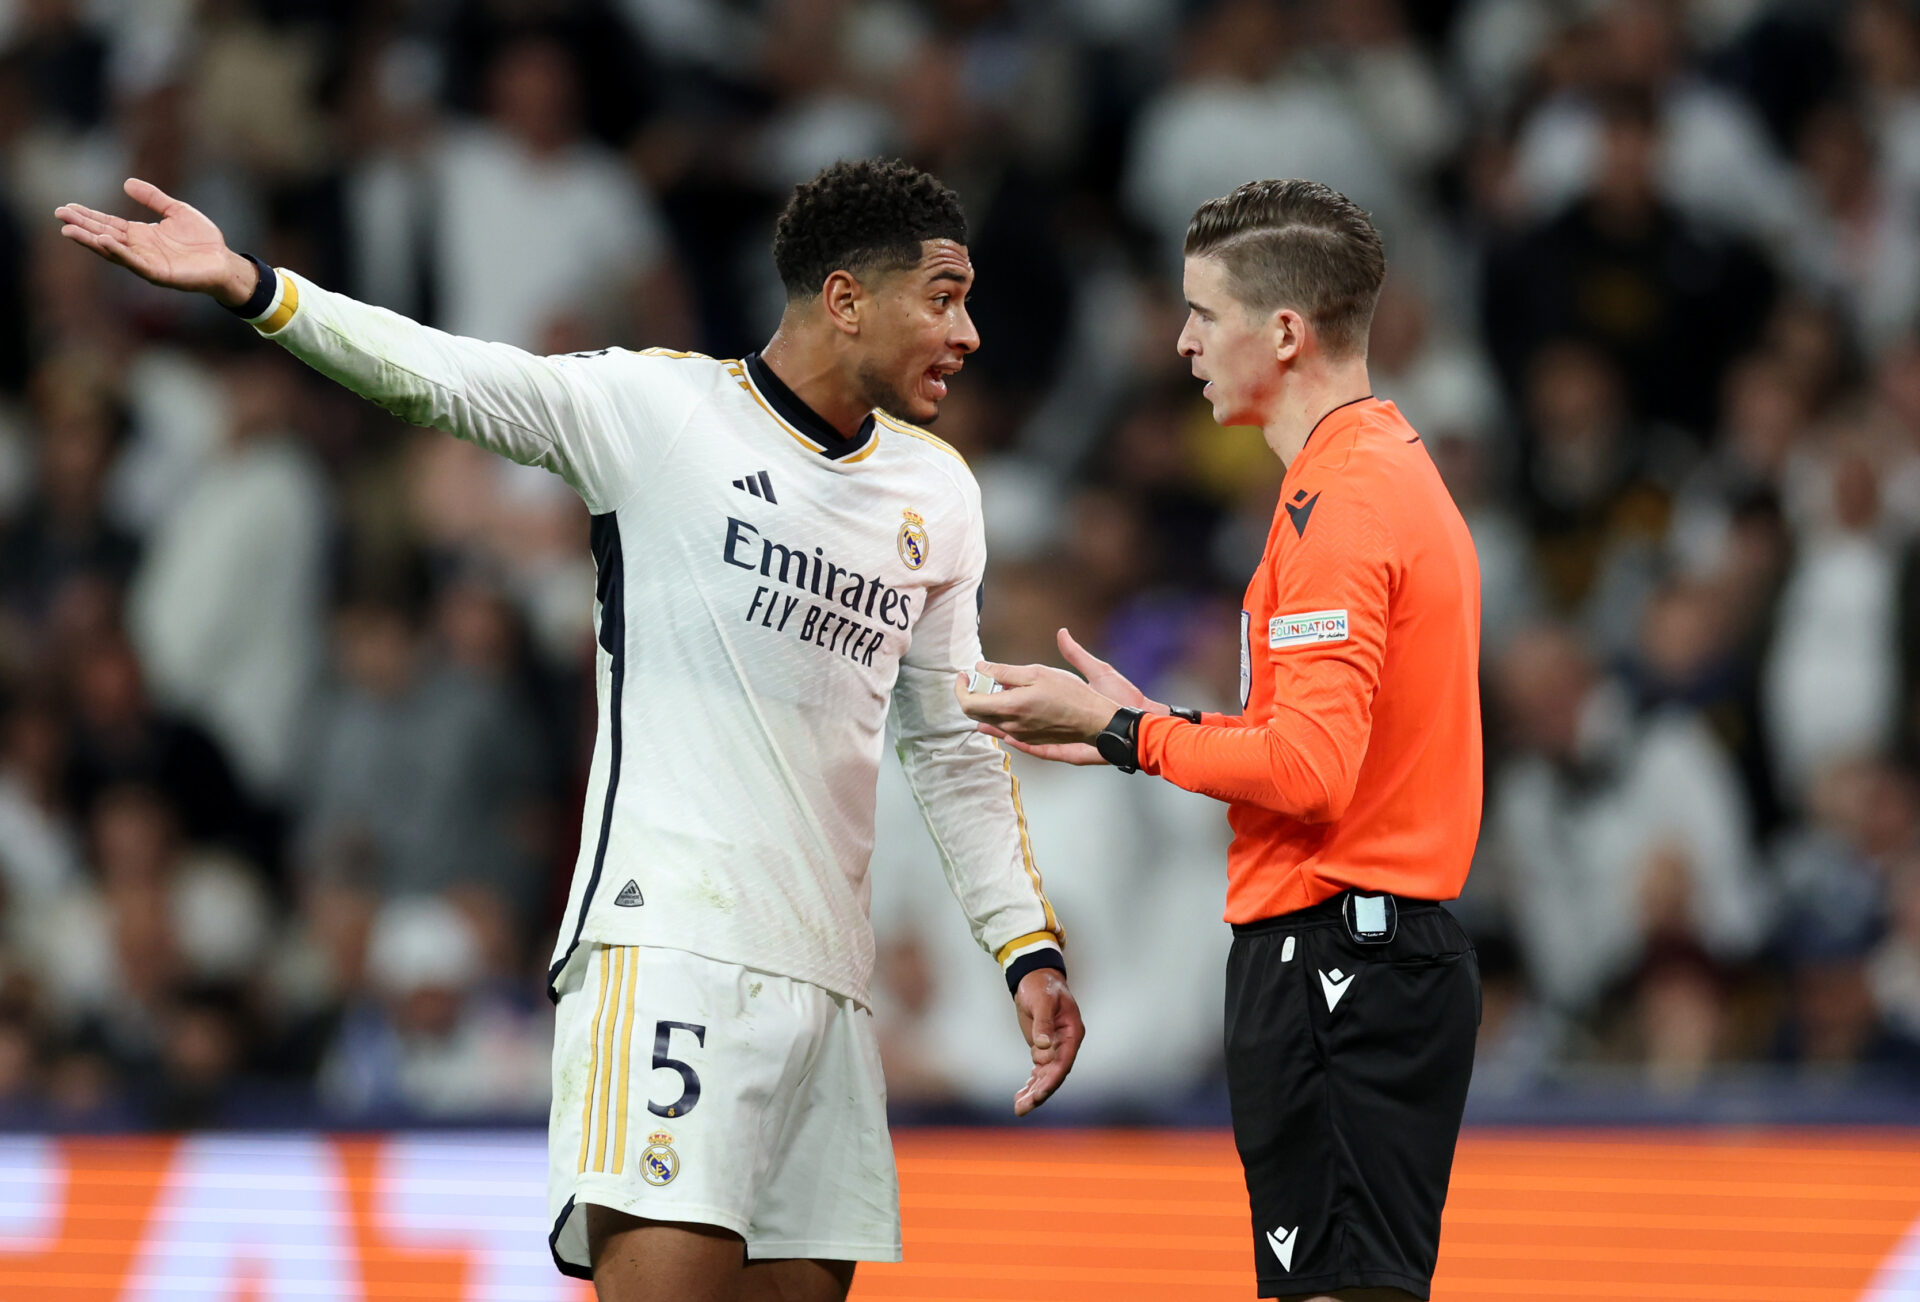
(1351, 774)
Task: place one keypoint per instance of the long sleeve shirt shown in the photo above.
(1356, 759)
(767, 591)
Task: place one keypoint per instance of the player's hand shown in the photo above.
(183, 250)
(1050, 1019)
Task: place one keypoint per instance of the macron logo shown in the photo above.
(1306, 628)
(1281, 1240)
(1334, 985)
(1300, 510)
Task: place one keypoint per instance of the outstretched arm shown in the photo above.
(585, 418)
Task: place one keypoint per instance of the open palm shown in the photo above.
(1100, 676)
(183, 250)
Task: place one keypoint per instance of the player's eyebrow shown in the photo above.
(959, 278)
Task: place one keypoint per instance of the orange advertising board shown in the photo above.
(1814, 1216)
(1008, 1215)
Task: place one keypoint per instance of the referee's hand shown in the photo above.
(1050, 1020)
(1049, 713)
(1035, 704)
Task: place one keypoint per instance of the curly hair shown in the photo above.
(1297, 244)
(864, 216)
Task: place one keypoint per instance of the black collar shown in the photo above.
(833, 444)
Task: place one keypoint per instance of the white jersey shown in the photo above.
(767, 589)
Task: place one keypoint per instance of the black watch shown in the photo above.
(1119, 742)
(1184, 712)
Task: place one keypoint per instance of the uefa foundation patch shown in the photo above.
(1314, 626)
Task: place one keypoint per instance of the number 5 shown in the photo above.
(689, 1079)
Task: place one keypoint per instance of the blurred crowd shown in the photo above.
(295, 702)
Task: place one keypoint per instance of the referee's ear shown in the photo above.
(1291, 333)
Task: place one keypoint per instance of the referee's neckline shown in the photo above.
(1326, 415)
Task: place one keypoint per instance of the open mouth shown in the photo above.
(935, 378)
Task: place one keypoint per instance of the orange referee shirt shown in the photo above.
(1355, 761)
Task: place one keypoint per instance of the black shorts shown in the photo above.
(1349, 1047)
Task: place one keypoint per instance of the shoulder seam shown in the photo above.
(961, 477)
(915, 431)
(673, 440)
(670, 353)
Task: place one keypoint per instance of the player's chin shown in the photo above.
(919, 411)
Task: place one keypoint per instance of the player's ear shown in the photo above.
(843, 299)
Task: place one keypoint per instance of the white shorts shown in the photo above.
(687, 1089)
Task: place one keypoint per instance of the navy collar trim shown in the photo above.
(833, 444)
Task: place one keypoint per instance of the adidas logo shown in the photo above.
(759, 485)
(629, 896)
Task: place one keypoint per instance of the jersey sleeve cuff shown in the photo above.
(274, 301)
(1150, 738)
(1029, 953)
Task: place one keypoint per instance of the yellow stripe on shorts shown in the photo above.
(626, 1072)
(605, 1049)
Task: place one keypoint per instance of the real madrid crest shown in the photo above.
(913, 540)
(658, 1162)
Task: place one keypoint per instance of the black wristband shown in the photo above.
(1184, 712)
(262, 297)
(1033, 962)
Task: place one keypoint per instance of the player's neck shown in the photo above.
(813, 373)
(1305, 397)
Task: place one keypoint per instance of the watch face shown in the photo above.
(1118, 742)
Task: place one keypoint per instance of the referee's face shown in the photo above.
(1230, 347)
(921, 333)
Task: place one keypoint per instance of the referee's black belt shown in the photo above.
(1370, 917)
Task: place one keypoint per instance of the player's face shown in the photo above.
(923, 334)
(1231, 348)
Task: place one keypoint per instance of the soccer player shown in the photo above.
(1352, 773)
(781, 558)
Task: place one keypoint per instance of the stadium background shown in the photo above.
(295, 702)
